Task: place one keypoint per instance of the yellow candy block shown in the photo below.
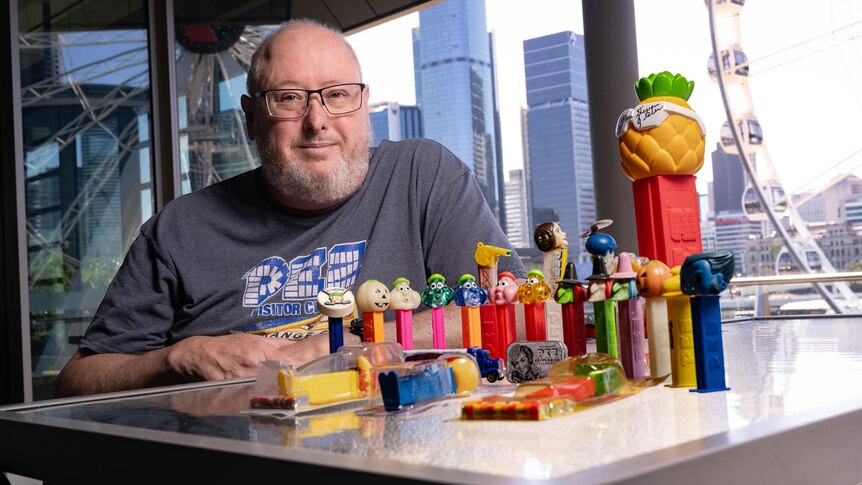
(330, 387)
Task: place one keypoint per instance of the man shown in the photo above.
(219, 269)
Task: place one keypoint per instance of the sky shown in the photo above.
(805, 86)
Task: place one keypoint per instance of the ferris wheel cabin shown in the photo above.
(751, 136)
(734, 65)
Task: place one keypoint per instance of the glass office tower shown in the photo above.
(517, 220)
(728, 180)
(558, 154)
(393, 121)
(453, 86)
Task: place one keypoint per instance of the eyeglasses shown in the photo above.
(290, 104)
(650, 115)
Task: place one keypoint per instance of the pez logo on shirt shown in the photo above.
(298, 282)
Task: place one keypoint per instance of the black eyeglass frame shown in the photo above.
(309, 92)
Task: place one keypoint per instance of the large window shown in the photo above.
(90, 174)
(214, 45)
(85, 107)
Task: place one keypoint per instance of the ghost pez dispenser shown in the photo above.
(404, 299)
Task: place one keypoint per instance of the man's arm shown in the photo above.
(190, 360)
(91, 373)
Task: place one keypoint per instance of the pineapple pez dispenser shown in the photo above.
(662, 143)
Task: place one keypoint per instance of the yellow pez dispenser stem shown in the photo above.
(683, 373)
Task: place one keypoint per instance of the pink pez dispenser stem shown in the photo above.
(404, 328)
(438, 328)
(436, 296)
(404, 300)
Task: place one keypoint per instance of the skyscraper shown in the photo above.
(728, 180)
(733, 228)
(498, 136)
(454, 86)
(559, 156)
(393, 121)
(517, 223)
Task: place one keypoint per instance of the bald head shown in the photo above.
(303, 29)
(318, 159)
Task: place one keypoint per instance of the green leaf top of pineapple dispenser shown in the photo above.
(664, 84)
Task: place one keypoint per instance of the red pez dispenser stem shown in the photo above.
(574, 328)
(667, 217)
(490, 336)
(534, 321)
(506, 330)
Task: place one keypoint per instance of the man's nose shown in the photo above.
(316, 114)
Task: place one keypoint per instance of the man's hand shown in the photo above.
(190, 360)
(237, 355)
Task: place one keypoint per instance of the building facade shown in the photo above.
(841, 243)
(853, 212)
(498, 136)
(393, 121)
(517, 220)
(454, 86)
(830, 204)
(707, 235)
(728, 181)
(732, 231)
(559, 161)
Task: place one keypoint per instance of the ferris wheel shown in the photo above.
(98, 74)
(764, 198)
(209, 59)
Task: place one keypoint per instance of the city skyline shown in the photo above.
(558, 202)
(773, 95)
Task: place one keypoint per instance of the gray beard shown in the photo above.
(288, 177)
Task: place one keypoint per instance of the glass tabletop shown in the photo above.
(774, 368)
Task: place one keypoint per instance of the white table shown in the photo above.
(793, 415)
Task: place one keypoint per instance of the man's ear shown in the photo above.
(248, 108)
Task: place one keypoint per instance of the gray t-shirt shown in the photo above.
(225, 259)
